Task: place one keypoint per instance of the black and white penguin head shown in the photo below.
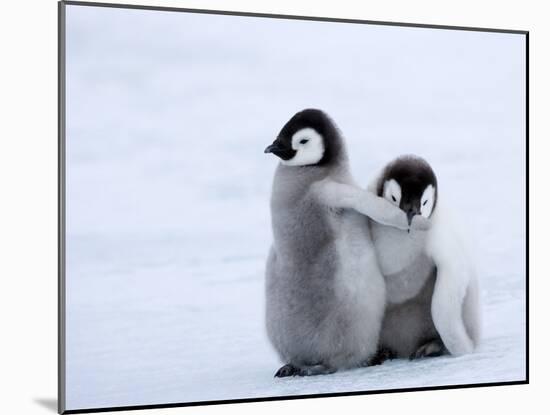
(309, 138)
(409, 183)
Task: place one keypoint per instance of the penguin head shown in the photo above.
(409, 183)
(309, 138)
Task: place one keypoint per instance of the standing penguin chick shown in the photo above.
(431, 284)
(324, 291)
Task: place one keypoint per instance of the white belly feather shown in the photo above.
(402, 260)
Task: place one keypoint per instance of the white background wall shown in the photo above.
(28, 172)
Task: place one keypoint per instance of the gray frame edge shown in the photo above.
(291, 17)
(61, 310)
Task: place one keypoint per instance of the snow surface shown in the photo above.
(168, 189)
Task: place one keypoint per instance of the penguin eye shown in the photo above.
(424, 203)
(303, 140)
(393, 198)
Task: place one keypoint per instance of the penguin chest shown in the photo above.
(408, 283)
(357, 270)
(402, 260)
(396, 250)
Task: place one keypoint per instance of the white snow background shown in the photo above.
(168, 223)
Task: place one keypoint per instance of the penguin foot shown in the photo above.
(382, 354)
(432, 348)
(313, 370)
(286, 370)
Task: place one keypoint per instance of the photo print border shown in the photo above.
(62, 200)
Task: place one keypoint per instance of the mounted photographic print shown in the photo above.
(258, 207)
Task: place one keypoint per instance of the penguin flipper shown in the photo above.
(456, 277)
(346, 196)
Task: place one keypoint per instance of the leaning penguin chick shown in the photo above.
(325, 294)
(431, 284)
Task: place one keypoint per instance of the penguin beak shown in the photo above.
(274, 148)
(410, 215)
(280, 150)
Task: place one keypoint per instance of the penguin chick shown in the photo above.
(325, 294)
(431, 284)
